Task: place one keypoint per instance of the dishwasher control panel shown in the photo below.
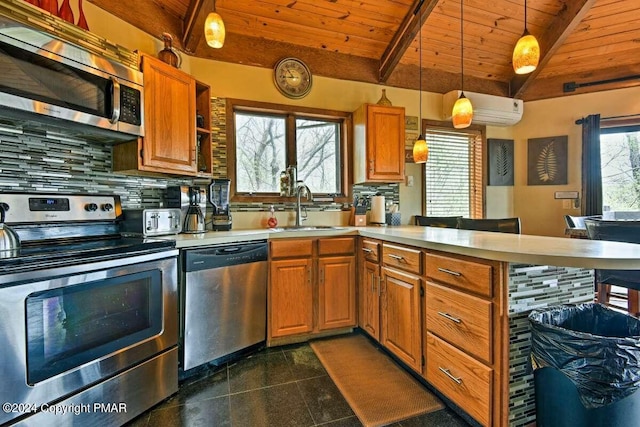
(219, 256)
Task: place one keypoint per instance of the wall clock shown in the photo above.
(292, 77)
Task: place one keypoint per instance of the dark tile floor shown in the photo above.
(285, 386)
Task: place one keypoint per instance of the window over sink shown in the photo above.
(263, 139)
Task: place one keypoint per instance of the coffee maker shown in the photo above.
(219, 198)
(192, 202)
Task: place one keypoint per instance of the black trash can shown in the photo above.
(586, 361)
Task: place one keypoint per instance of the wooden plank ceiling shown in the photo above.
(582, 41)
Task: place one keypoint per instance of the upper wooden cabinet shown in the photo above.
(170, 144)
(379, 144)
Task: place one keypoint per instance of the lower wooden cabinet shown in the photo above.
(400, 325)
(369, 299)
(311, 286)
(336, 292)
(291, 293)
(460, 377)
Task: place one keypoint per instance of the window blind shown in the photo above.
(454, 174)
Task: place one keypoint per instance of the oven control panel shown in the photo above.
(35, 208)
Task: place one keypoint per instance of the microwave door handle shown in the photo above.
(115, 115)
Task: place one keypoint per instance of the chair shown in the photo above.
(617, 231)
(578, 221)
(502, 225)
(438, 221)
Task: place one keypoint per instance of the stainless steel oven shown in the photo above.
(86, 321)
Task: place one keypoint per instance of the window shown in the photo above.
(265, 138)
(454, 177)
(620, 163)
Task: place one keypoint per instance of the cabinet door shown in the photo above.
(400, 327)
(291, 297)
(336, 292)
(370, 299)
(169, 143)
(385, 143)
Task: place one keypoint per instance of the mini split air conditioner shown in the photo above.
(487, 109)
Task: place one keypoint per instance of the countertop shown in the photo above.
(517, 248)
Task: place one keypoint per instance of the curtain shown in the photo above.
(591, 166)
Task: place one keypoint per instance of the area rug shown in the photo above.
(377, 389)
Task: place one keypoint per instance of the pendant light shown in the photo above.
(214, 31)
(462, 113)
(420, 149)
(526, 54)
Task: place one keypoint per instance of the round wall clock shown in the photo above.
(292, 77)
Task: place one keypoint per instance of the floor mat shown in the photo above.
(377, 389)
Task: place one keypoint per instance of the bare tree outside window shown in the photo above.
(317, 144)
(265, 139)
(260, 152)
(620, 157)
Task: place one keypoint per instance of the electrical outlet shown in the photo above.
(409, 180)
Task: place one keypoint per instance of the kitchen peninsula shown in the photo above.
(501, 277)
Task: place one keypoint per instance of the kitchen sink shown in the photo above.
(308, 228)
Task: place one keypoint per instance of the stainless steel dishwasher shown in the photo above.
(223, 300)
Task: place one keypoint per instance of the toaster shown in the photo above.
(151, 222)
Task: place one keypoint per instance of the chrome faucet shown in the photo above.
(301, 188)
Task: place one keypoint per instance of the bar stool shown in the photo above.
(502, 225)
(617, 231)
(437, 221)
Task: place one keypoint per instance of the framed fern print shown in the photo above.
(547, 161)
(500, 161)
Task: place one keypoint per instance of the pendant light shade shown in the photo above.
(462, 113)
(420, 149)
(214, 31)
(526, 54)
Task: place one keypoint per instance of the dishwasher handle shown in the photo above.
(226, 255)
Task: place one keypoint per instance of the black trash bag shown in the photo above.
(596, 347)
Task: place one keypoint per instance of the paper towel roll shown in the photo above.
(377, 210)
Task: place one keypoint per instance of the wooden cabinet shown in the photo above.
(463, 338)
(170, 142)
(378, 144)
(291, 295)
(312, 286)
(336, 292)
(400, 327)
(369, 288)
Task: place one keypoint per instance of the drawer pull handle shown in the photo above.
(367, 250)
(398, 257)
(453, 273)
(447, 373)
(450, 317)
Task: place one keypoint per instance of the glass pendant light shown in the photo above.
(214, 31)
(420, 148)
(526, 54)
(462, 113)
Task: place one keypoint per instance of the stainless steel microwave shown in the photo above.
(45, 81)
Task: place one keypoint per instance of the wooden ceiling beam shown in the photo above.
(197, 12)
(259, 52)
(409, 28)
(556, 33)
(552, 87)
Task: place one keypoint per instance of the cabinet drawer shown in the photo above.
(460, 377)
(336, 246)
(371, 250)
(402, 257)
(468, 275)
(291, 248)
(460, 319)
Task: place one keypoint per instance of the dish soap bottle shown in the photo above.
(272, 222)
